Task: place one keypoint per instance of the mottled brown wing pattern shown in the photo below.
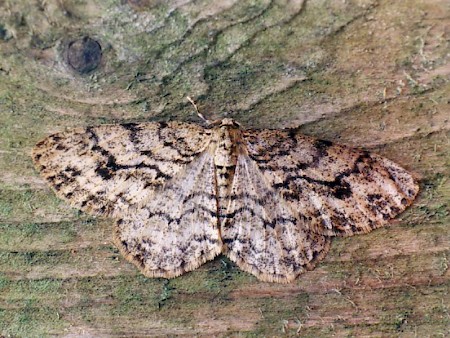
(156, 179)
(177, 230)
(181, 194)
(112, 169)
(262, 234)
(337, 190)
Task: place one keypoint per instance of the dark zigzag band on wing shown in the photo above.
(342, 191)
(103, 170)
(275, 194)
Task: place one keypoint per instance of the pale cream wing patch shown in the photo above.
(262, 234)
(177, 230)
(109, 169)
(340, 190)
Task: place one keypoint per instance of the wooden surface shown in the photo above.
(365, 73)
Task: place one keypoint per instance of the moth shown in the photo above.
(181, 194)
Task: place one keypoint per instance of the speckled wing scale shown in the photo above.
(335, 190)
(155, 179)
(271, 200)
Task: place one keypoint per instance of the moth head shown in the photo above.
(227, 122)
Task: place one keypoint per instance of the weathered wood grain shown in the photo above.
(373, 74)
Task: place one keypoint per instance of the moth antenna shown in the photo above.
(198, 111)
